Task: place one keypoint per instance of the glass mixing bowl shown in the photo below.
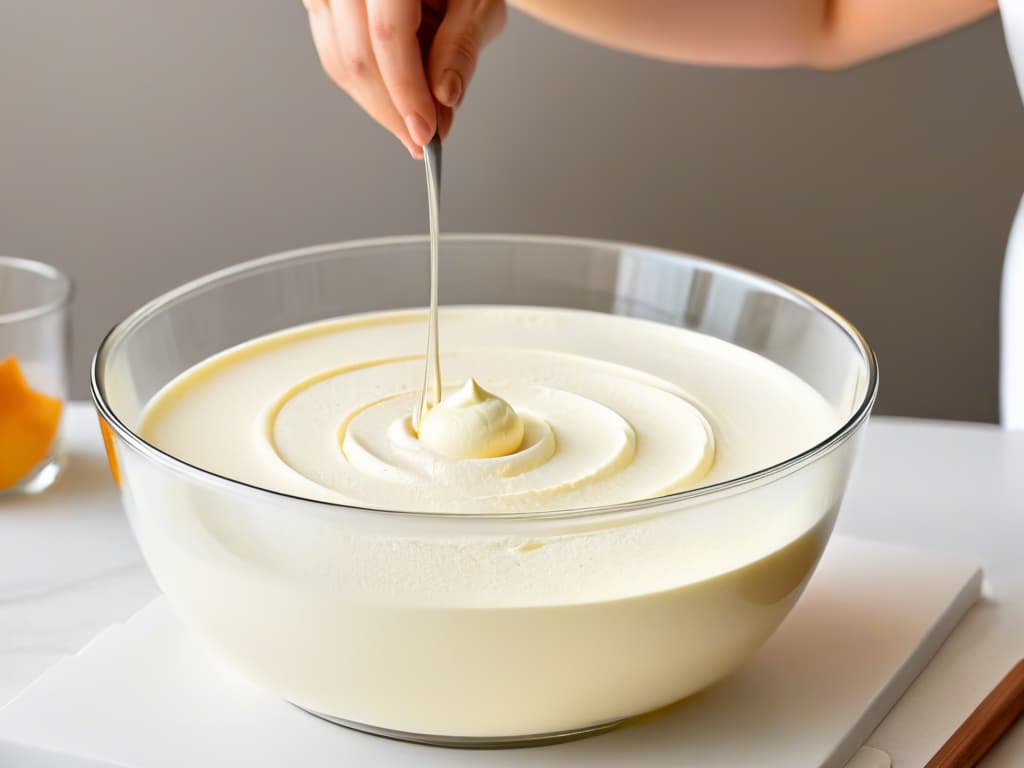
(328, 606)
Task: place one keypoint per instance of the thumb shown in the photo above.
(466, 27)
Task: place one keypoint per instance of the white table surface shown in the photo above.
(69, 566)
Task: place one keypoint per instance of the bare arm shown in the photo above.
(825, 34)
(373, 48)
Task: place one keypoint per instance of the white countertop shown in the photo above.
(69, 566)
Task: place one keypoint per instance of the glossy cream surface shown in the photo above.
(464, 627)
(544, 409)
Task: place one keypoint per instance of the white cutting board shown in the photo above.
(146, 695)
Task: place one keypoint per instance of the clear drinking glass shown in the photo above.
(316, 602)
(34, 300)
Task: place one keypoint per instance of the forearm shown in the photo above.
(758, 33)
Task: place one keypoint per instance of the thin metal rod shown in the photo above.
(431, 392)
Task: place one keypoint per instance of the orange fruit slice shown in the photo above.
(28, 424)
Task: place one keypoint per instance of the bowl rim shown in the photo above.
(65, 289)
(655, 504)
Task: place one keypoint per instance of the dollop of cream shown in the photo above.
(472, 423)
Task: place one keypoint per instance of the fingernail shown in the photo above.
(450, 88)
(418, 129)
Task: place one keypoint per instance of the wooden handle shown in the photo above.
(992, 718)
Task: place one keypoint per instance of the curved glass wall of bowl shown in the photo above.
(212, 541)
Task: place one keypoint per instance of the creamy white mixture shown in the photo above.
(587, 409)
(467, 627)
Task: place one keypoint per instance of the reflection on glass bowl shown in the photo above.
(479, 628)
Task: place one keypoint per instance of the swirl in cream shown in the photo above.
(542, 410)
(580, 424)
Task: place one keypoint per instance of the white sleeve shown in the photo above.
(1011, 374)
(1013, 26)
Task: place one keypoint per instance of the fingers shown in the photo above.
(445, 116)
(373, 49)
(393, 28)
(342, 42)
(467, 26)
(359, 73)
(322, 27)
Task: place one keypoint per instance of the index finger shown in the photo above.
(393, 33)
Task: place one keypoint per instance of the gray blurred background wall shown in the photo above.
(144, 144)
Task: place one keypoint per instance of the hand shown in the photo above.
(406, 63)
